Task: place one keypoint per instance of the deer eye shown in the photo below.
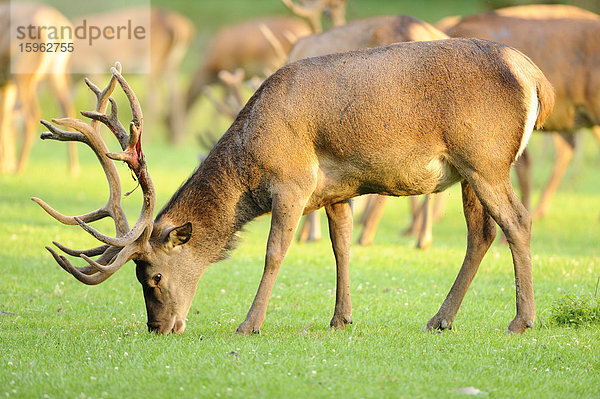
(156, 278)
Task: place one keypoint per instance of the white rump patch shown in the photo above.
(534, 110)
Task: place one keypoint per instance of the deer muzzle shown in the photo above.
(175, 325)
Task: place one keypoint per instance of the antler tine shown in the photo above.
(89, 252)
(98, 214)
(61, 135)
(220, 105)
(233, 82)
(79, 273)
(312, 12)
(115, 264)
(111, 121)
(136, 109)
(275, 43)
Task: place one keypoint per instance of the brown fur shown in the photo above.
(365, 33)
(564, 41)
(410, 118)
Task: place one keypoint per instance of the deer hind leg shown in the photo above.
(565, 146)
(287, 208)
(425, 238)
(481, 233)
(311, 228)
(339, 216)
(373, 212)
(416, 211)
(8, 134)
(31, 111)
(503, 205)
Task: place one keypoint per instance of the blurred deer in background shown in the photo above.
(405, 119)
(21, 87)
(313, 10)
(366, 33)
(234, 84)
(563, 41)
(245, 46)
(167, 44)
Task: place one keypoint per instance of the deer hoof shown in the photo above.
(438, 323)
(247, 329)
(338, 323)
(519, 325)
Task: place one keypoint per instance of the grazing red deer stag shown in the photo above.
(366, 33)
(563, 41)
(404, 119)
(29, 69)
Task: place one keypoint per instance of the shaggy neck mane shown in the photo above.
(215, 200)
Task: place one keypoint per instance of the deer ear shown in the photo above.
(178, 235)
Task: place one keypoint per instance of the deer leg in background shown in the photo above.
(564, 146)
(425, 235)
(287, 208)
(340, 231)
(311, 228)
(62, 91)
(26, 86)
(366, 208)
(374, 211)
(481, 231)
(416, 210)
(439, 205)
(8, 135)
(523, 170)
(175, 109)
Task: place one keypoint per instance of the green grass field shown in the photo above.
(62, 339)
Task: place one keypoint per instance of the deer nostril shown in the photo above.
(153, 327)
(179, 326)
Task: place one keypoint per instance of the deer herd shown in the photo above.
(382, 106)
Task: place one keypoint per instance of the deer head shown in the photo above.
(148, 246)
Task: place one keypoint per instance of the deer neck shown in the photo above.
(216, 201)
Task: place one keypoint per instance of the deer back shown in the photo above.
(567, 50)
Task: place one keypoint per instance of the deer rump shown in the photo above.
(395, 120)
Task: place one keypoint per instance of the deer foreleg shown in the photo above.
(287, 208)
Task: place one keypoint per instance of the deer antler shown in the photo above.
(280, 53)
(310, 11)
(120, 249)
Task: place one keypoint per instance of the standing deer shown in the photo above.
(21, 84)
(563, 41)
(366, 33)
(404, 119)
